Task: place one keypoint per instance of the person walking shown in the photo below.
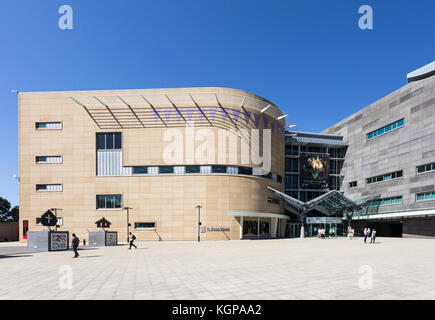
(365, 235)
(330, 233)
(132, 238)
(373, 236)
(75, 244)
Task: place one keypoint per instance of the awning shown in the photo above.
(257, 215)
(330, 203)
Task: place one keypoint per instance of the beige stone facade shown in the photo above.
(151, 121)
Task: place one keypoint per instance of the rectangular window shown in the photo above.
(219, 169)
(109, 141)
(49, 187)
(166, 169)
(48, 159)
(109, 201)
(425, 196)
(140, 170)
(232, 170)
(48, 125)
(387, 201)
(245, 171)
(426, 168)
(272, 200)
(386, 129)
(145, 225)
(353, 184)
(193, 169)
(385, 177)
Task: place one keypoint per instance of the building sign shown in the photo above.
(323, 220)
(314, 171)
(217, 229)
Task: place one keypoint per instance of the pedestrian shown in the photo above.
(365, 235)
(352, 231)
(75, 244)
(330, 233)
(373, 236)
(132, 238)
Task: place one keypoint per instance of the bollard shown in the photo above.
(84, 242)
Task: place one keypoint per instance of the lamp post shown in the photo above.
(199, 222)
(128, 221)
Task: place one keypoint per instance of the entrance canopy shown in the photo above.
(329, 203)
(258, 215)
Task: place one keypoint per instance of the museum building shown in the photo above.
(151, 162)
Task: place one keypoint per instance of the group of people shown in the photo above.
(76, 241)
(321, 233)
(369, 234)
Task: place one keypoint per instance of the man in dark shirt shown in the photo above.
(75, 244)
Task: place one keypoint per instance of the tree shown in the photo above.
(14, 214)
(5, 206)
(6, 213)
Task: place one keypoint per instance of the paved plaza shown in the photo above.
(393, 268)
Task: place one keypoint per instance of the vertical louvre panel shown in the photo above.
(205, 169)
(109, 163)
(179, 170)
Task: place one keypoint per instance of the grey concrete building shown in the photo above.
(391, 152)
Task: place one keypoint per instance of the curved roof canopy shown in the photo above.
(123, 109)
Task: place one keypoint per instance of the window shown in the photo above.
(425, 196)
(49, 187)
(245, 170)
(386, 129)
(48, 159)
(109, 201)
(48, 125)
(272, 200)
(292, 182)
(387, 201)
(385, 177)
(292, 150)
(426, 168)
(145, 225)
(353, 184)
(166, 169)
(193, 169)
(219, 169)
(140, 170)
(109, 141)
(292, 165)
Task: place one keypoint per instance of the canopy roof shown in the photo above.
(329, 203)
(174, 107)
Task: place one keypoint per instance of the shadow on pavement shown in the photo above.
(15, 256)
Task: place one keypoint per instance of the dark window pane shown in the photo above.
(166, 169)
(245, 170)
(109, 141)
(398, 174)
(140, 170)
(110, 203)
(219, 169)
(192, 169)
(101, 202)
(118, 139)
(118, 201)
(101, 141)
(139, 225)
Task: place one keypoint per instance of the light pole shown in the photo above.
(199, 222)
(128, 221)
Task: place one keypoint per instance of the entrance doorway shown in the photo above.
(256, 228)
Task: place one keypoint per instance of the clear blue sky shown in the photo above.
(308, 57)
